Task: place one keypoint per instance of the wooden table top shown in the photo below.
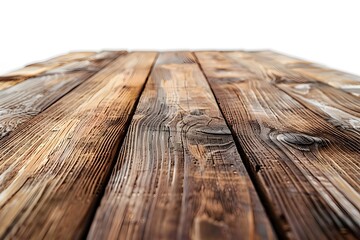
(179, 145)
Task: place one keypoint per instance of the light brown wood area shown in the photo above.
(35, 69)
(179, 145)
(29, 98)
(180, 164)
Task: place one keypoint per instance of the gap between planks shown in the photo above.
(286, 76)
(266, 129)
(54, 179)
(179, 175)
(26, 99)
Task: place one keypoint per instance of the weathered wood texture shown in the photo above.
(27, 99)
(36, 69)
(53, 168)
(337, 107)
(345, 81)
(305, 163)
(281, 135)
(179, 175)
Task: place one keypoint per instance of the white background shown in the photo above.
(326, 32)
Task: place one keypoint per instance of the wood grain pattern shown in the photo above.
(53, 168)
(334, 105)
(179, 175)
(307, 168)
(338, 79)
(27, 99)
(289, 145)
(71, 59)
(338, 108)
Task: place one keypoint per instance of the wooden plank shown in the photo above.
(268, 70)
(23, 101)
(29, 71)
(179, 175)
(53, 169)
(80, 56)
(340, 109)
(92, 63)
(37, 69)
(338, 79)
(308, 169)
(334, 105)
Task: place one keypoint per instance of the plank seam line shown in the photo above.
(275, 222)
(97, 202)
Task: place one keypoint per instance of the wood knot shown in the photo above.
(300, 141)
(279, 78)
(197, 112)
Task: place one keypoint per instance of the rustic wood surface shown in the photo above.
(179, 167)
(179, 145)
(50, 184)
(345, 81)
(308, 169)
(27, 99)
(35, 69)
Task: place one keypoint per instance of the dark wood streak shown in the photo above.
(179, 175)
(308, 169)
(53, 168)
(23, 101)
